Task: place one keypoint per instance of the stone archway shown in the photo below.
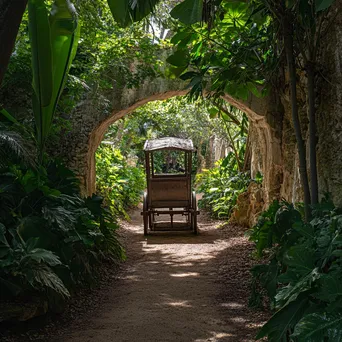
(266, 146)
(91, 119)
(97, 134)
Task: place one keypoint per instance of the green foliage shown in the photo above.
(175, 117)
(53, 39)
(15, 148)
(221, 187)
(107, 56)
(51, 240)
(121, 185)
(322, 5)
(126, 12)
(302, 275)
(232, 50)
(188, 11)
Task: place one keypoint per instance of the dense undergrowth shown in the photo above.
(222, 184)
(120, 184)
(51, 239)
(221, 187)
(302, 272)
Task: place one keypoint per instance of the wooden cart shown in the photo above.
(169, 194)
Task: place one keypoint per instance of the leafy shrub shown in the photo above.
(303, 273)
(221, 187)
(51, 239)
(120, 184)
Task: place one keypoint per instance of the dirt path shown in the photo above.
(176, 288)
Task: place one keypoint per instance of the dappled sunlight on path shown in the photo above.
(169, 290)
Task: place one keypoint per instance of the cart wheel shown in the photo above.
(194, 214)
(145, 213)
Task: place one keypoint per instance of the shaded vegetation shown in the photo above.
(302, 272)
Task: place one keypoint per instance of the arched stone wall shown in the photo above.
(93, 116)
(98, 132)
(266, 145)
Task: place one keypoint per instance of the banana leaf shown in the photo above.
(54, 41)
(41, 62)
(65, 33)
(125, 12)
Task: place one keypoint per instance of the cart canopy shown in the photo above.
(169, 143)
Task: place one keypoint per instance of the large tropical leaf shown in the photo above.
(41, 62)
(53, 40)
(330, 289)
(291, 292)
(301, 259)
(125, 12)
(64, 40)
(317, 327)
(44, 276)
(283, 320)
(44, 255)
(323, 4)
(188, 11)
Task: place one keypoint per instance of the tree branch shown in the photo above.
(11, 13)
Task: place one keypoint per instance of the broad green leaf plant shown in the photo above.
(302, 273)
(54, 38)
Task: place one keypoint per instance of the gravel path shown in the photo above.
(176, 288)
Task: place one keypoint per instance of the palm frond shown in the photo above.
(15, 149)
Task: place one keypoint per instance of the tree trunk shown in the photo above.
(232, 145)
(288, 43)
(209, 153)
(200, 158)
(310, 70)
(248, 155)
(11, 13)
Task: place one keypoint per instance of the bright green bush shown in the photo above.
(303, 272)
(120, 184)
(221, 187)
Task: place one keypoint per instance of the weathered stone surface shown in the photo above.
(329, 112)
(249, 205)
